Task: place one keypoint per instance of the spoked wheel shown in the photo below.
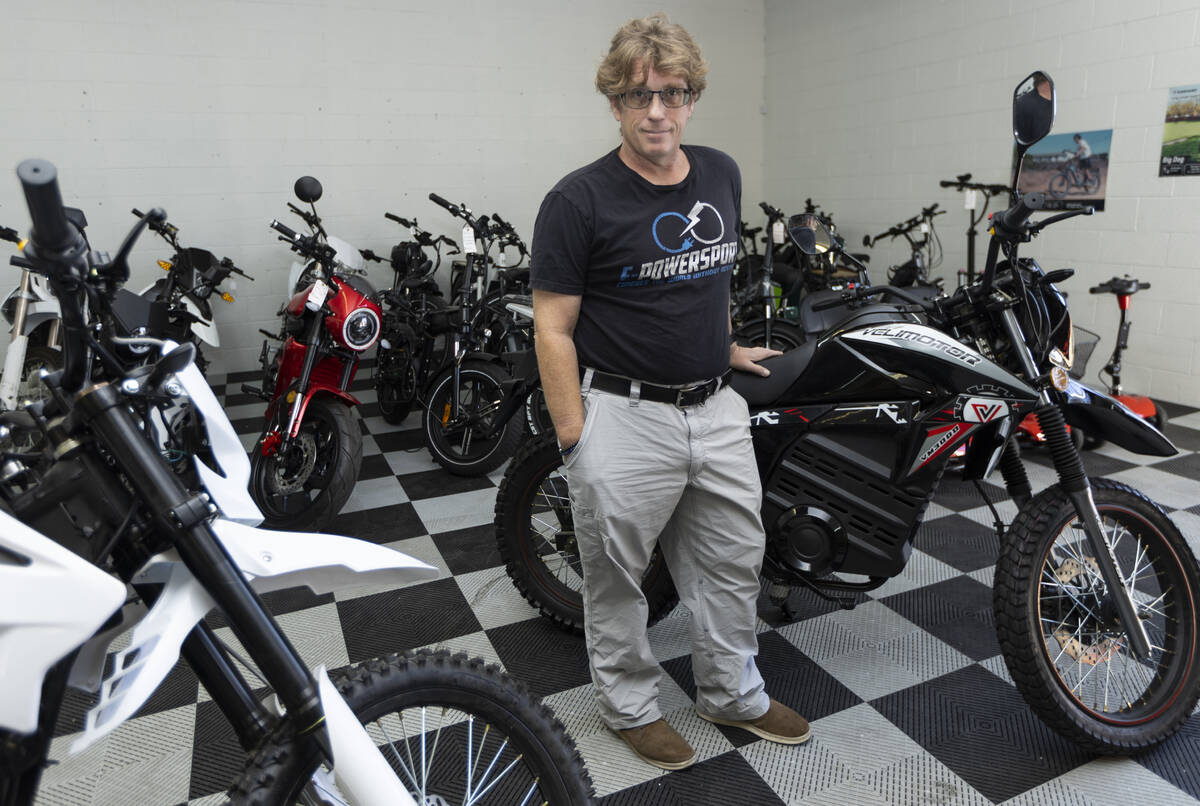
(1059, 185)
(38, 357)
(459, 441)
(784, 336)
(536, 536)
(453, 729)
(1059, 630)
(305, 485)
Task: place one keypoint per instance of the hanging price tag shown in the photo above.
(924, 227)
(777, 232)
(469, 240)
(969, 200)
(316, 296)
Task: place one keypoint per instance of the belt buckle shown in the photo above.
(693, 396)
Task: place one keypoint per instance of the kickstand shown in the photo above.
(999, 524)
(844, 602)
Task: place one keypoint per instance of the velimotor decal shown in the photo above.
(924, 337)
(983, 410)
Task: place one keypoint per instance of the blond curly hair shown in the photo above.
(649, 42)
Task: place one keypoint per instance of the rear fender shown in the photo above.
(1106, 417)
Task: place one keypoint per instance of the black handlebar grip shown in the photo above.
(833, 303)
(496, 217)
(138, 213)
(39, 180)
(436, 199)
(1015, 217)
(284, 230)
(404, 222)
(1142, 285)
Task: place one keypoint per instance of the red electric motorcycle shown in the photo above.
(307, 460)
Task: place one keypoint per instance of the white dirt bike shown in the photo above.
(105, 537)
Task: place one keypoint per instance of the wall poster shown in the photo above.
(1181, 133)
(1071, 169)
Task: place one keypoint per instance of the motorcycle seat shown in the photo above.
(760, 391)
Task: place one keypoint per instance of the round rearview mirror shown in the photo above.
(810, 234)
(1033, 108)
(308, 189)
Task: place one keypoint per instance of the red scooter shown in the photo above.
(1122, 288)
(307, 460)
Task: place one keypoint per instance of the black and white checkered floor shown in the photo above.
(908, 696)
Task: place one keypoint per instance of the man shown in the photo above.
(1083, 153)
(631, 271)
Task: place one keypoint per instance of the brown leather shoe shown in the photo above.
(659, 744)
(779, 724)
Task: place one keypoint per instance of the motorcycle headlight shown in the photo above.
(361, 329)
(1064, 354)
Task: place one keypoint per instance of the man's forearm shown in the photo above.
(559, 368)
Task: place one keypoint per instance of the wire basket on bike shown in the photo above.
(1085, 344)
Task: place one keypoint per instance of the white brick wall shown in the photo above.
(212, 109)
(869, 104)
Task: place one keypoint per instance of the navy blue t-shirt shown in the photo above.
(651, 262)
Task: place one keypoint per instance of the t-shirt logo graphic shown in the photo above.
(703, 224)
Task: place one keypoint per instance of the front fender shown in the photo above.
(332, 391)
(1106, 417)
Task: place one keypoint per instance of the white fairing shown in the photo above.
(229, 489)
(270, 561)
(48, 606)
(360, 768)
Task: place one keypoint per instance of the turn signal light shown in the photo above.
(291, 397)
(225, 295)
(1059, 379)
(165, 265)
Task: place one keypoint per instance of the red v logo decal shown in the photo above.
(985, 411)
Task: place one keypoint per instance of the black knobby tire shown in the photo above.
(1056, 625)
(458, 445)
(535, 533)
(784, 335)
(283, 765)
(1091, 184)
(329, 429)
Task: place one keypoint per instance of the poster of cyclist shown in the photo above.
(1181, 133)
(1071, 169)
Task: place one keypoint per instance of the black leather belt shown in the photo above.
(685, 396)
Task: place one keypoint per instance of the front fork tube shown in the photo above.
(315, 346)
(1075, 482)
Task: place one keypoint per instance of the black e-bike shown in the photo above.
(1095, 587)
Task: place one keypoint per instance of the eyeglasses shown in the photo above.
(671, 97)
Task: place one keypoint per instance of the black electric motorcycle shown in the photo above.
(1095, 588)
